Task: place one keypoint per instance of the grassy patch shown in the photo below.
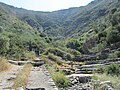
(22, 77)
(58, 76)
(4, 65)
(113, 69)
(114, 79)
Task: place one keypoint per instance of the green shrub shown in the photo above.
(73, 44)
(113, 69)
(60, 80)
(117, 53)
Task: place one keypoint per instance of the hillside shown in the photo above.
(65, 22)
(16, 36)
(88, 29)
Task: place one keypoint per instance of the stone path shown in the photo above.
(7, 77)
(39, 79)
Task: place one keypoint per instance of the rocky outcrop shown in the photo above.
(85, 82)
(79, 81)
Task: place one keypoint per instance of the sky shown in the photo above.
(46, 5)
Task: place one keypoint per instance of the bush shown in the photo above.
(73, 44)
(54, 58)
(116, 54)
(60, 80)
(113, 69)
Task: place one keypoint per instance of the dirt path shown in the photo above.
(7, 77)
(40, 78)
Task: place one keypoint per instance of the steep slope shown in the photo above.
(15, 35)
(101, 36)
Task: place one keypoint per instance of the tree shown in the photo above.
(73, 44)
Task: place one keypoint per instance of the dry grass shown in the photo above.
(22, 77)
(4, 65)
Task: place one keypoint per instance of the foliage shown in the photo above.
(113, 69)
(60, 80)
(73, 44)
(116, 54)
(16, 35)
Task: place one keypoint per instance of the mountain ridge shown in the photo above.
(53, 18)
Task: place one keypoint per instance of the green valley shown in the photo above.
(79, 40)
